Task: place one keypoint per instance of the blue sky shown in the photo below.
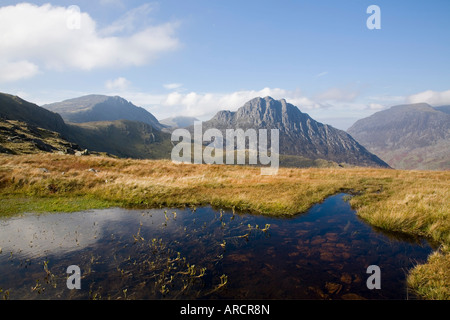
(195, 57)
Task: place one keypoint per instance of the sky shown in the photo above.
(196, 57)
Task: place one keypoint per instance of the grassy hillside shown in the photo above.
(15, 108)
(123, 138)
(18, 137)
(413, 202)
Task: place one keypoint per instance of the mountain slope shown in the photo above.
(415, 136)
(445, 109)
(18, 137)
(124, 138)
(15, 108)
(101, 108)
(299, 133)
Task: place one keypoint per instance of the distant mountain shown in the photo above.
(178, 122)
(300, 135)
(445, 109)
(21, 133)
(101, 108)
(413, 136)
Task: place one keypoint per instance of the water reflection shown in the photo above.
(203, 254)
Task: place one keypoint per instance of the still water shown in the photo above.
(203, 253)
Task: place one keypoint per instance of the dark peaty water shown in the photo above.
(203, 254)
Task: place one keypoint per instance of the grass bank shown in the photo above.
(413, 202)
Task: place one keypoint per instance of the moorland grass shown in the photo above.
(413, 202)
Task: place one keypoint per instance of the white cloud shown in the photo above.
(17, 70)
(376, 106)
(172, 86)
(435, 98)
(120, 84)
(206, 105)
(38, 37)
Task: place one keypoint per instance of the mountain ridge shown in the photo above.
(124, 138)
(409, 136)
(95, 107)
(299, 133)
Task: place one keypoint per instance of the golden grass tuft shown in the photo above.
(432, 280)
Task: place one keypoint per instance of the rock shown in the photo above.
(326, 256)
(331, 236)
(14, 138)
(333, 287)
(44, 170)
(346, 278)
(41, 145)
(319, 292)
(329, 246)
(85, 152)
(74, 146)
(317, 240)
(6, 150)
(301, 233)
(352, 296)
(345, 255)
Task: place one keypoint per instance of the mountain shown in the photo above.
(178, 122)
(22, 126)
(15, 108)
(123, 138)
(445, 109)
(92, 108)
(300, 135)
(412, 136)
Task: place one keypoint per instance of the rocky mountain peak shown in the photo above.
(299, 133)
(101, 108)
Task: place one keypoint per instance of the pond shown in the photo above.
(204, 253)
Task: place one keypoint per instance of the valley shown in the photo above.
(50, 164)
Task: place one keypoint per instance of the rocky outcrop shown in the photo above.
(299, 133)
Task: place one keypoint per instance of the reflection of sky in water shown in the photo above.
(38, 235)
(321, 254)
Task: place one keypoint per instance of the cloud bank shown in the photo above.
(434, 98)
(37, 38)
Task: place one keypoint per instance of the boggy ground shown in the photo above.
(413, 202)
